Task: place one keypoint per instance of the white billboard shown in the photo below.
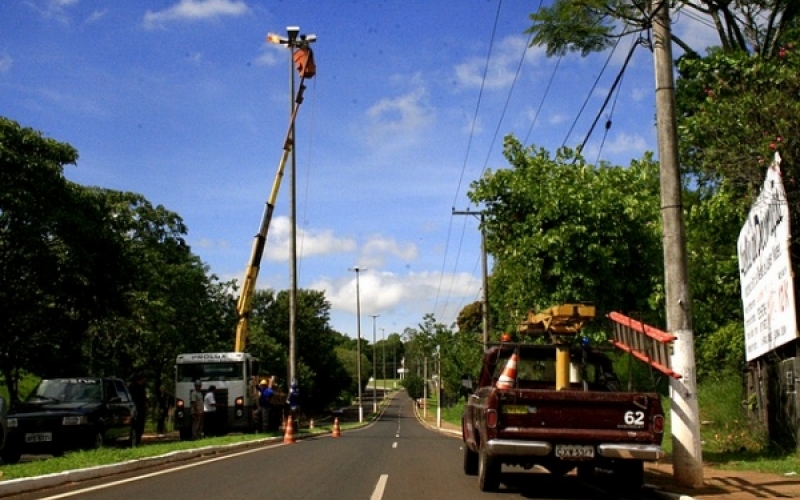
(765, 270)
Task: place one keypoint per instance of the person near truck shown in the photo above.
(139, 397)
(210, 412)
(265, 393)
(196, 399)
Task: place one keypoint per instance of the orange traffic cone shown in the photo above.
(288, 436)
(509, 375)
(337, 432)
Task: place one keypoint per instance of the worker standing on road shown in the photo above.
(197, 410)
(265, 393)
(210, 412)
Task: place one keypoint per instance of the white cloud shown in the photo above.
(502, 65)
(5, 63)
(400, 119)
(193, 10)
(53, 9)
(96, 16)
(377, 249)
(309, 243)
(384, 292)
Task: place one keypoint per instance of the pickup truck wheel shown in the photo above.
(132, 441)
(488, 472)
(631, 474)
(470, 461)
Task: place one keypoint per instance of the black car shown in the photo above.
(70, 413)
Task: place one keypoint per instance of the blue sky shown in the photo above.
(184, 102)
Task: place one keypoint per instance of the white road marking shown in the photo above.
(154, 474)
(377, 493)
(394, 445)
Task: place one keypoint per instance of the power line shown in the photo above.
(610, 93)
(466, 155)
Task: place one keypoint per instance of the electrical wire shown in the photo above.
(466, 155)
(609, 95)
(591, 91)
(541, 102)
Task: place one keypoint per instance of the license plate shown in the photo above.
(574, 451)
(38, 437)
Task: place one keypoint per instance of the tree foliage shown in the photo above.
(561, 230)
(586, 26)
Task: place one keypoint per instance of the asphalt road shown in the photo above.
(395, 458)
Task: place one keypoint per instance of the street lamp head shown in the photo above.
(293, 31)
(308, 38)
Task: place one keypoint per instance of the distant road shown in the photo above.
(396, 458)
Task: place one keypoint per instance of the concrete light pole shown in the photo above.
(484, 276)
(374, 372)
(293, 41)
(358, 270)
(383, 348)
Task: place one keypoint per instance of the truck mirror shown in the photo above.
(466, 382)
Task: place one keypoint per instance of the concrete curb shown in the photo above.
(28, 484)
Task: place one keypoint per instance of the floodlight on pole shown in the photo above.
(358, 270)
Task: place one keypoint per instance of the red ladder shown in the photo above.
(648, 344)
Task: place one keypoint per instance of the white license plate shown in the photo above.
(574, 451)
(38, 437)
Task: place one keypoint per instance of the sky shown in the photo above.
(186, 103)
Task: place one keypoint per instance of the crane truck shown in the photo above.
(235, 374)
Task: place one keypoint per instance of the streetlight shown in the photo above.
(306, 67)
(438, 387)
(374, 374)
(383, 348)
(357, 270)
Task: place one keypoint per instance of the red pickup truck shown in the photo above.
(517, 417)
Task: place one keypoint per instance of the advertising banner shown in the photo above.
(770, 318)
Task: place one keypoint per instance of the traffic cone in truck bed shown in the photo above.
(509, 375)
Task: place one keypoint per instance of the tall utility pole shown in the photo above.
(358, 270)
(687, 454)
(293, 41)
(485, 276)
(374, 372)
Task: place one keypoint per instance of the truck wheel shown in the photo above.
(631, 474)
(95, 441)
(488, 472)
(470, 461)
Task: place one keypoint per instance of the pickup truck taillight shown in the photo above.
(658, 424)
(491, 419)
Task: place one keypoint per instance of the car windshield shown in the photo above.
(67, 390)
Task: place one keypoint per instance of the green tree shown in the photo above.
(59, 261)
(585, 26)
(321, 375)
(561, 230)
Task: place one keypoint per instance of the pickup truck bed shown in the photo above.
(589, 424)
